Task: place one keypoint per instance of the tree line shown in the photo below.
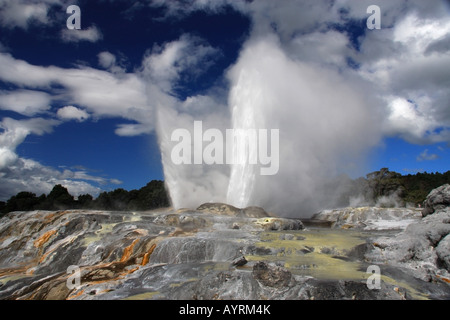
(404, 189)
(152, 196)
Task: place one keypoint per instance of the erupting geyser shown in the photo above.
(326, 124)
(244, 99)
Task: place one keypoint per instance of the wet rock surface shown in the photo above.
(423, 247)
(369, 218)
(218, 252)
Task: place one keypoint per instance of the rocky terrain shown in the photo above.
(221, 252)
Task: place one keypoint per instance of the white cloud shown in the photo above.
(20, 174)
(165, 65)
(91, 34)
(175, 9)
(130, 130)
(7, 157)
(102, 93)
(425, 156)
(26, 102)
(108, 61)
(411, 75)
(29, 175)
(20, 13)
(115, 181)
(407, 60)
(15, 131)
(72, 113)
(409, 122)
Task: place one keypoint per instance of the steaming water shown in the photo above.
(244, 99)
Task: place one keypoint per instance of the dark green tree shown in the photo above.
(103, 202)
(85, 201)
(60, 198)
(23, 201)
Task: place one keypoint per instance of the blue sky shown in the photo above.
(83, 107)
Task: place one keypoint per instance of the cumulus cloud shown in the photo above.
(165, 65)
(13, 134)
(25, 102)
(101, 92)
(20, 174)
(177, 9)
(91, 34)
(20, 13)
(29, 175)
(130, 130)
(15, 131)
(108, 61)
(72, 113)
(425, 156)
(407, 65)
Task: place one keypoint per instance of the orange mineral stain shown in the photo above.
(79, 293)
(443, 279)
(44, 238)
(147, 255)
(128, 251)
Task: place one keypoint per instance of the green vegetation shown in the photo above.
(152, 196)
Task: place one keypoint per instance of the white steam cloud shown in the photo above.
(326, 124)
(332, 98)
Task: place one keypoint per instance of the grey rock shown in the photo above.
(287, 236)
(417, 248)
(280, 224)
(220, 209)
(437, 199)
(351, 290)
(254, 212)
(229, 210)
(239, 262)
(226, 285)
(443, 252)
(369, 218)
(270, 275)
